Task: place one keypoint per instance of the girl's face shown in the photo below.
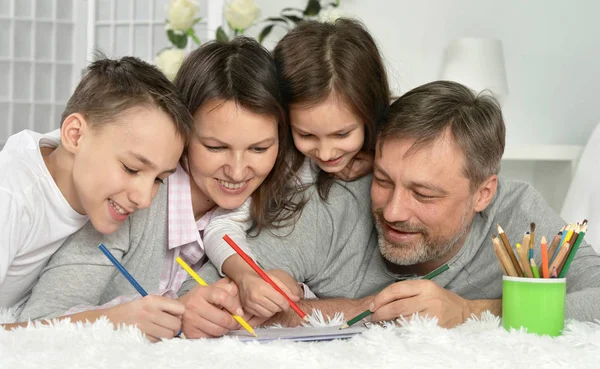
(328, 133)
(231, 152)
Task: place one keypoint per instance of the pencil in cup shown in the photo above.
(368, 312)
(127, 276)
(201, 282)
(503, 258)
(265, 277)
(569, 259)
(509, 251)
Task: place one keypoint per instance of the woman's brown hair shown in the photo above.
(243, 71)
(316, 59)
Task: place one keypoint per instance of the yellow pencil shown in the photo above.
(201, 282)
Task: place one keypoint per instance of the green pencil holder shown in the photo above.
(537, 304)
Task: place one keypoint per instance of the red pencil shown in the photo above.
(264, 276)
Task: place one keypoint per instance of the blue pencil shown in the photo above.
(126, 274)
(122, 270)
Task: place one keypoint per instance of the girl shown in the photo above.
(334, 83)
(240, 135)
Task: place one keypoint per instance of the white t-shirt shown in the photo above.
(35, 218)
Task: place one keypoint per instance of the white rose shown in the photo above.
(330, 15)
(180, 14)
(169, 61)
(240, 14)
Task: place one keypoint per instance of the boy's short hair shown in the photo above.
(110, 87)
(475, 121)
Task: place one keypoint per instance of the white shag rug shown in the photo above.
(419, 343)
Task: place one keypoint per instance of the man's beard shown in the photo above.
(428, 249)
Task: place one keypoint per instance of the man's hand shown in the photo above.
(402, 299)
(208, 309)
(157, 316)
(260, 299)
(358, 167)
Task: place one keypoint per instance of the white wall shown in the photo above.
(551, 50)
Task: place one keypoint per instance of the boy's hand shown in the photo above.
(208, 309)
(157, 316)
(260, 298)
(358, 167)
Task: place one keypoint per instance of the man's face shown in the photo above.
(421, 200)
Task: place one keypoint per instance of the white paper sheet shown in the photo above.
(298, 333)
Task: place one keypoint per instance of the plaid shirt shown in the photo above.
(184, 239)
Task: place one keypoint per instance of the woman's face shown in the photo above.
(232, 151)
(329, 133)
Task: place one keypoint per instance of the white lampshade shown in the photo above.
(477, 63)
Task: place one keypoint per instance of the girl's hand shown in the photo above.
(260, 299)
(359, 166)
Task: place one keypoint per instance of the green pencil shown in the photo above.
(534, 268)
(368, 312)
(565, 269)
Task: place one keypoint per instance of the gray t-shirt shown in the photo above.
(333, 248)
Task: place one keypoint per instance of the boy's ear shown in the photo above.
(73, 128)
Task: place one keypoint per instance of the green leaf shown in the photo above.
(264, 33)
(288, 9)
(293, 18)
(312, 8)
(180, 41)
(275, 19)
(196, 21)
(192, 34)
(221, 35)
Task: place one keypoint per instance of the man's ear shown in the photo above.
(73, 128)
(485, 193)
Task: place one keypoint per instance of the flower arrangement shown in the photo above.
(240, 15)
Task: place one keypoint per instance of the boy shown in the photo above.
(122, 133)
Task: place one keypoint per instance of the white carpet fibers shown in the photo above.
(420, 343)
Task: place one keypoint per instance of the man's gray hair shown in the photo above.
(475, 121)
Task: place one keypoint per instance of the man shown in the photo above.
(436, 200)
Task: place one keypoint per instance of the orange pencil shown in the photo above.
(544, 248)
(264, 276)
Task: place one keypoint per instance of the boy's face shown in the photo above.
(119, 166)
(232, 152)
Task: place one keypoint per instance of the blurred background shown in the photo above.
(541, 58)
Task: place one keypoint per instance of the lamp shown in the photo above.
(477, 63)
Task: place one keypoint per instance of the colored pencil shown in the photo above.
(567, 264)
(127, 276)
(201, 282)
(504, 259)
(499, 257)
(562, 254)
(366, 313)
(523, 252)
(534, 268)
(509, 251)
(544, 249)
(264, 276)
(553, 249)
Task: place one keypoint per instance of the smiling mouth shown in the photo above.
(120, 210)
(332, 161)
(232, 185)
